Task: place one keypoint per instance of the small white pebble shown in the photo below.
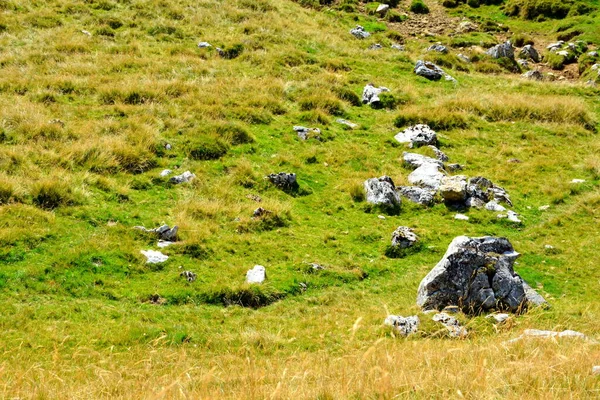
(461, 217)
(578, 181)
(380, 217)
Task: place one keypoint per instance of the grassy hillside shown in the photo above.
(91, 94)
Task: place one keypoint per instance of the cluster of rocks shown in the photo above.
(284, 181)
(187, 176)
(305, 133)
(417, 136)
(405, 326)
(359, 32)
(371, 94)
(431, 71)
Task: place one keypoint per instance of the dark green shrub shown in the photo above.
(207, 148)
(419, 7)
(386, 100)
(473, 3)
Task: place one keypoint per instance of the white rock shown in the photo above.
(381, 216)
(596, 370)
(166, 172)
(154, 257)
(543, 208)
(404, 326)
(451, 323)
(513, 216)
(349, 124)
(499, 318)
(258, 274)
(427, 176)
(578, 181)
(493, 206)
(461, 217)
(187, 176)
(203, 45)
(87, 33)
(382, 9)
(549, 247)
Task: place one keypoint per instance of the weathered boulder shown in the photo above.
(475, 274)
(359, 32)
(284, 181)
(417, 195)
(404, 237)
(382, 191)
(428, 70)
(529, 52)
(414, 160)
(417, 135)
(427, 176)
(371, 94)
(505, 49)
(305, 133)
(187, 176)
(534, 75)
(455, 329)
(258, 274)
(440, 48)
(404, 326)
(453, 189)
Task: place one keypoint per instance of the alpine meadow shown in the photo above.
(299, 199)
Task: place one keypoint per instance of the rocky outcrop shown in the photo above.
(382, 192)
(417, 135)
(505, 49)
(284, 181)
(371, 94)
(403, 326)
(477, 275)
(404, 237)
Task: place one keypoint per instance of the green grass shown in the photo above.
(84, 124)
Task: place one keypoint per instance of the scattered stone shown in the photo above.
(87, 33)
(204, 45)
(316, 267)
(414, 160)
(514, 161)
(439, 48)
(454, 167)
(164, 243)
(534, 75)
(529, 52)
(157, 299)
(168, 146)
(164, 232)
(371, 94)
(477, 275)
(552, 47)
(382, 9)
(499, 318)
(513, 216)
(254, 197)
(154, 257)
(303, 286)
(417, 195)
(461, 217)
(349, 124)
(593, 54)
(165, 172)
(596, 370)
(375, 46)
(502, 50)
(466, 27)
(284, 181)
(187, 176)
(381, 191)
(464, 58)
(404, 237)
(359, 32)
(544, 208)
(482, 190)
(57, 121)
(260, 212)
(440, 155)
(188, 275)
(258, 274)
(381, 216)
(305, 133)
(523, 63)
(451, 323)
(427, 176)
(417, 135)
(398, 47)
(428, 70)
(578, 181)
(595, 67)
(404, 326)
(453, 189)
(493, 206)
(534, 297)
(537, 333)
(451, 309)
(548, 247)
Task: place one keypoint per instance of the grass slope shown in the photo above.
(84, 124)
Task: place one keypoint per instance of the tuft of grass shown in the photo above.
(50, 194)
(206, 147)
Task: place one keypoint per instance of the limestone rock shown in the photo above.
(452, 324)
(404, 237)
(461, 217)
(163, 232)
(530, 53)
(477, 275)
(534, 75)
(439, 48)
(453, 189)
(189, 276)
(284, 181)
(349, 124)
(165, 172)
(414, 160)
(398, 47)
(417, 135)
(258, 274)
(428, 70)
(382, 9)
(502, 50)
(417, 195)
(466, 27)
(305, 133)
(154, 257)
(187, 176)
(533, 297)
(375, 46)
(404, 326)
(427, 176)
(382, 191)
(371, 94)
(464, 58)
(493, 206)
(359, 32)
(499, 318)
(596, 370)
(440, 155)
(204, 45)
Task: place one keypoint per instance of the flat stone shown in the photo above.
(499, 318)
(154, 257)
(493, 206)
(204, 45)
(578, 181)
(427, 176)
(187, 176)
(349, 124)
(461, 217)
(417, 135)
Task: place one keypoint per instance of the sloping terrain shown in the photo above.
(98, 97)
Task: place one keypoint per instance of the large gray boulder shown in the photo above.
(382, 191)
(371, 94)
(505, 49)
(475, 274)
(428, 176)
(417, 135)
(417, 194)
